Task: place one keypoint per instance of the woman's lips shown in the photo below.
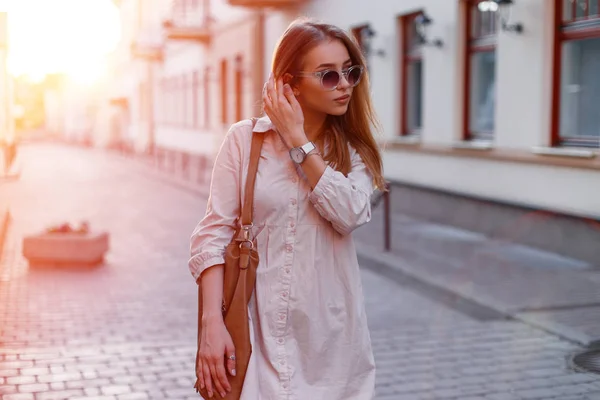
(343, 98)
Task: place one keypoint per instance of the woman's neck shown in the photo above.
(313, 124)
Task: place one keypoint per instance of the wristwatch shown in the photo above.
(299, 154)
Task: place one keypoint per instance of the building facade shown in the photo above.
(491, 104)
(7, 128)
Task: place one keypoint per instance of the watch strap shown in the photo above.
(308, 147)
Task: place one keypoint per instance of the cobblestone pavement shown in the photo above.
(126, 330)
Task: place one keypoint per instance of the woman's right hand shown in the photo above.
(216, 349)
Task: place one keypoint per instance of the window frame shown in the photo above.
(238, 86)
(586, 27)
(473, 45)
(223, 75)
(408, 54)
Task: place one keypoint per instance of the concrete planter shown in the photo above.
(74, 249)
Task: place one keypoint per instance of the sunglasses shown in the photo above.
(330, 78)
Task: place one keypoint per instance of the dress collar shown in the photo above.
(264, 124)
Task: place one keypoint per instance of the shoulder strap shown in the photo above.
(257, 141)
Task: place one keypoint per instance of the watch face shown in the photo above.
(297, 155)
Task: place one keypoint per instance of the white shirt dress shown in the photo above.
(310, 339)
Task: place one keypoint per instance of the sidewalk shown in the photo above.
(558, 294)
(546, 290)
(127, 330)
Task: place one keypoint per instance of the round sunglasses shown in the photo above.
(330, 78)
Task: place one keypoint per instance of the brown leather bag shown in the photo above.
(241, 261)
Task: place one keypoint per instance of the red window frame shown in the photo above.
(474, 43)
(408, 53)
(224, 99)
(584, 26)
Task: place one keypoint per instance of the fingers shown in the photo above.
(230, 361)
(207, 378)
(271, 94)
(280, 95)
(216, 379)
(222, 378)
(289, 95)
(200, 374)
(230, 355)
(266, 99)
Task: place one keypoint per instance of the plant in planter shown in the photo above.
(84, 228)
(63, 245)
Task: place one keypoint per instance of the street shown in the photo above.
(126, 330)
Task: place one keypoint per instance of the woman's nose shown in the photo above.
(343, 83)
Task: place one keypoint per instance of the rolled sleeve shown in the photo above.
(344, 201)
(214, 232)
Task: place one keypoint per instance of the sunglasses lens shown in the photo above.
(330, 80)
(354, 76)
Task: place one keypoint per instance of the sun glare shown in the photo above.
(61, 36)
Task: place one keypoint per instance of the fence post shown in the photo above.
(386, 218)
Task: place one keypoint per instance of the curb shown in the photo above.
(150, 171)
(399, 266)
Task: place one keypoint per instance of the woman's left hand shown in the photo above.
(285, 112)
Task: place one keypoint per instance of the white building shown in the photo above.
(6, 86)
(493, 118)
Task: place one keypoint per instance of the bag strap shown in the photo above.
(255, 148)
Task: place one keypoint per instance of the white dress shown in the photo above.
(310, 339)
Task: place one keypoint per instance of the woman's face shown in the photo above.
(330, 55)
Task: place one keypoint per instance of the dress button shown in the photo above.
(292, 224)
(284, 294)
(287, 270)
(280, 340)
(281, 317)
(288, 248)
(293, 201)
(285, 385)
(294, 180)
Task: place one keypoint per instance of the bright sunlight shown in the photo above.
(61, 36)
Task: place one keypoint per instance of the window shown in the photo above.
(361, 34)
(224, 92)
(206, 100)
(195, 84)
(238, 88)
(576, 120)
(181, 100)
(480, 72)
(411, 112)
(162, 99)
(171, 100)
(187, 100)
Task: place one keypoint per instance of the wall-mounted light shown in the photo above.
(366, 37)
(422, 23)
(503, 9)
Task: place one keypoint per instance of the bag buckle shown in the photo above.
(245, 240)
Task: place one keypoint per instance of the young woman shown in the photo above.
(319, 166)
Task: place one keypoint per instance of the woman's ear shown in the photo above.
(289, 79)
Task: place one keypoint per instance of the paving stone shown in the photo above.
(126, 330)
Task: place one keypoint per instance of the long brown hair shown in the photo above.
(357, 124)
